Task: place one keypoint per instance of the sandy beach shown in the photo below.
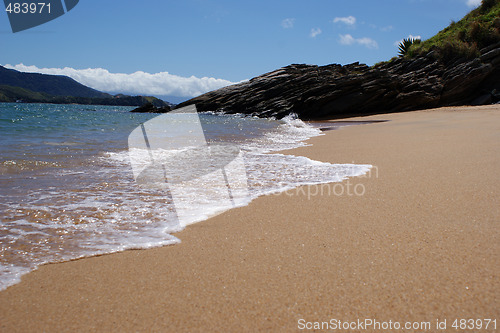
(416, 240)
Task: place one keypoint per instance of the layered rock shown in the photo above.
(315, 92)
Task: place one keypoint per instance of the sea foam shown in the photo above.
(95, 206)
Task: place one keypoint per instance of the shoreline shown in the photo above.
(420, 244)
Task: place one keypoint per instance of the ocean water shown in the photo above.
(68, 190)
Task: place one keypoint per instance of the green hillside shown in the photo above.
(465, 38)
(43, 88)
(12, 94)
(56, 85)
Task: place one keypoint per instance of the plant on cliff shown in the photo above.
(463, 39)
(405, 45)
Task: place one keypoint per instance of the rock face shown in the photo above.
(315, 92)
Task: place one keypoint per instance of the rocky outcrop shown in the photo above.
(151, 108)
(314, 92)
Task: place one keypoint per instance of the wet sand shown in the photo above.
(417, 239)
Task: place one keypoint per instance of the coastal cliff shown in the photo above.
(458, 66)
(336, 91)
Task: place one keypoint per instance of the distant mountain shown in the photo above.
(18, 94)
(56, 85)
(43, 88)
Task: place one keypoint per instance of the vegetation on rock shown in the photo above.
(465, 38)
(405, 45)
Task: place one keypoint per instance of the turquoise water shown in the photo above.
(67, 189)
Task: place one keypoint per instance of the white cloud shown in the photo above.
(349, 20)
(288, 23)
(473, 3)
(410, 37)
(347, 39)
(138, 83)
(315, 32)
(368, 42)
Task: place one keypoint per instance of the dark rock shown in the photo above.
(314, 92)
(489, 48)
(495, 94)
(490, 55)
(150, 108)
(483, 100)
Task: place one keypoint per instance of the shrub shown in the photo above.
(481, 35)
(405, 46)
(488, 4)
(453, 50)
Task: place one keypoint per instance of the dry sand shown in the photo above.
(421, 244)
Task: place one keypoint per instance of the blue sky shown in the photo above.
(220, 41)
